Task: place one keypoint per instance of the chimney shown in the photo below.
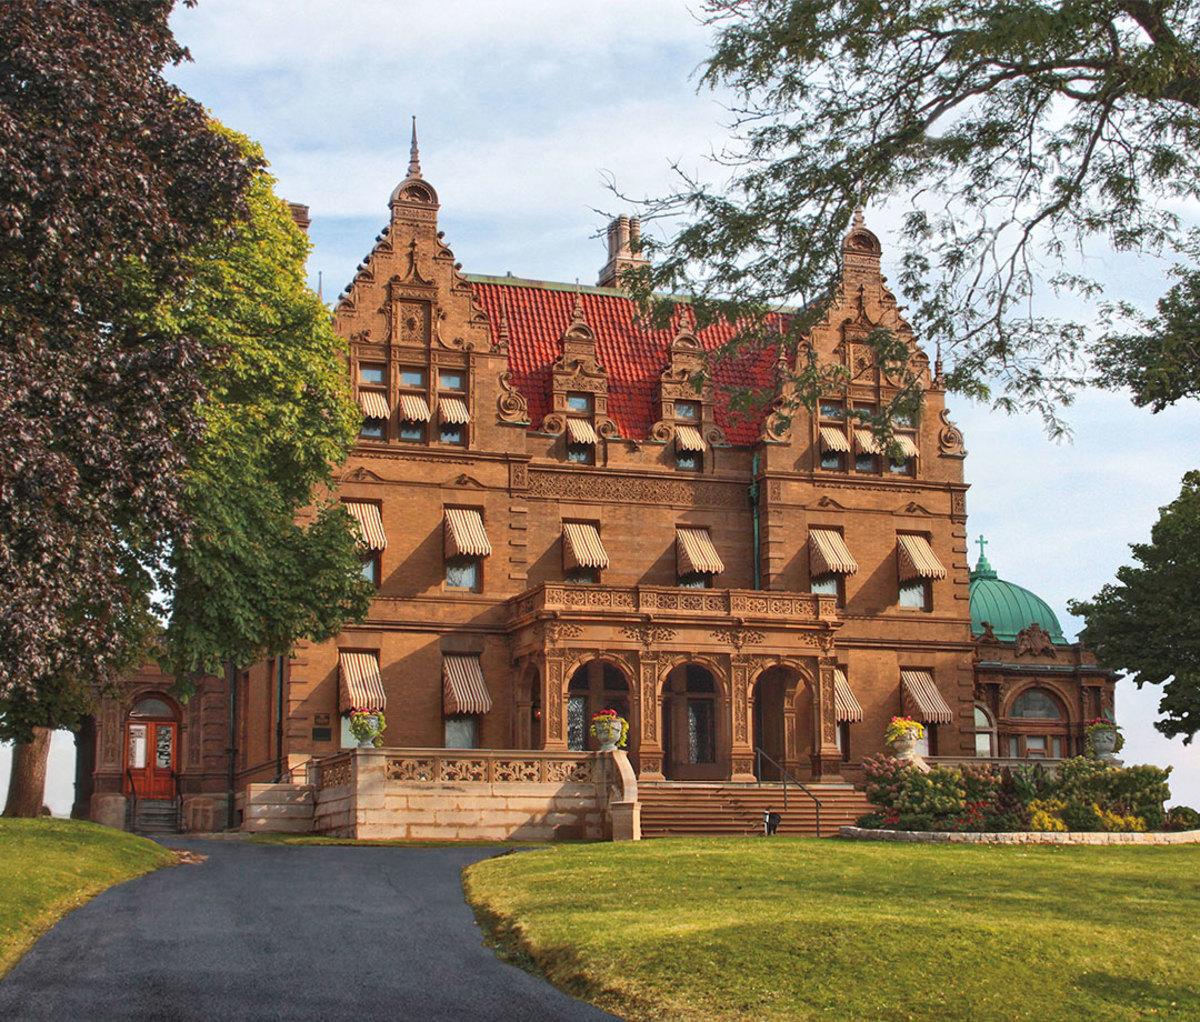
(624, 243)
(300, 215)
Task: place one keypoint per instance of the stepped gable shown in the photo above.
(634, 355)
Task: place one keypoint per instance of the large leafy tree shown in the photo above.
(1016, 132)
(1146, 621)
(103, 165)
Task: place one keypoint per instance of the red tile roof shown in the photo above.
(634, 355)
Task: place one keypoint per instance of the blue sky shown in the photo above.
(525, 111)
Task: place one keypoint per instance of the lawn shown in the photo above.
(48, 867)
(746, 928)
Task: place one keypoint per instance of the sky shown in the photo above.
(526, 111)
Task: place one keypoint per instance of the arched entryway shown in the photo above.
(694, 730)
(151, 748)
(595, 686)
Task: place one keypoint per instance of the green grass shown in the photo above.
(49, 867)
(743, 928)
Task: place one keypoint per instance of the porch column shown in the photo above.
(650, 754)
(553, 704)
(826, 757)
(741, 678)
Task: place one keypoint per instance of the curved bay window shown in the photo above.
(594, 686)
(1036, 726)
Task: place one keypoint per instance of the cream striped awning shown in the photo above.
(848, 710)
(908, 446)
(465, 534)
(924, 694)
(453, 410)
(829, 554)
(582, 547)
(833, 439)
(917, 559)
(688, 438)
(694, 552)
(865, 441)
(373, 404)
(370, 524)
(359, 684)
(580, 431)
(414, 408)
(463, 687)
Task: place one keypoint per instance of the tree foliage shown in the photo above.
(1016, 132)
(104, 165)
(1146, 622)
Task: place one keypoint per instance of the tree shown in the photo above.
(105, 165)
(1146, 622)
(1018, 131)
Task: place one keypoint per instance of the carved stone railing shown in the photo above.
(741, 603)
(492, 766)
(336, 770)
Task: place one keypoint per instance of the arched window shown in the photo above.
(151, 707)
(985, 733)
(1036, 703)
(1036, 727)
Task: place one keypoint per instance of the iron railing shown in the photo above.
(785, 777)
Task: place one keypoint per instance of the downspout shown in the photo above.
(279, 724)
(754, 513)
(231, 677)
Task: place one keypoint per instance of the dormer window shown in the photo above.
(688, 411)
(580, 432)
(413, 405)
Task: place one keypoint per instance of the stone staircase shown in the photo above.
(155, 816)
(675, 808)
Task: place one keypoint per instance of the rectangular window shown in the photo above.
(1058, 748)
(916, 594)
(843, 733)
(689, 410)
(581, 575)
(463, 572)
(833, 461)
(689, 461)
(577, 722)
(372, 429)
(412, 377)
(371, 375)
(907, 467)
(828, 585)
(452, 433)
(450, 380)
(865, 463)
(462, 732)
(696, 580)
(370, 568)
(831, 409)
(701, 733)
(581, 454)
(580, 403)
(412, 431)
(927, 745)
(1035, 746)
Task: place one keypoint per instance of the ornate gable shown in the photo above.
(578, 371)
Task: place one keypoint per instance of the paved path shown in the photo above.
(265, 932)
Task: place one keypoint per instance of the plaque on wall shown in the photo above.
(322, 734)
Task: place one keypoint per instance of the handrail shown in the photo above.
(131, 808)
(783, 773)
(176, 787)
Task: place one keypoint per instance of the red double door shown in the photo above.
(150, 758)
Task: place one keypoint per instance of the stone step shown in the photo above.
(678, 809)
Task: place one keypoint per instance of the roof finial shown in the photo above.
(577, 312)
(414, 157)
(937, 364)
(858, 217)
(982, 568)
(504, 338)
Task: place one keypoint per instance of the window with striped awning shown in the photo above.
(414, 408)
(453, 410)
(582, 547)
(695, 553)
(465, 534)
(848, 710)
(580, 431)
(923, 694)
(865, 441)
(370, 524)
(908, 446)
(828, 553)
(360, 688)
(917, 559)
(463, 689)
(688, 438)
(373, 404)
(833, 439)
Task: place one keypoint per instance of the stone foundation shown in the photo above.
(1026, 837)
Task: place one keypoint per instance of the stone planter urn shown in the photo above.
(1104, 743)
(369, 728)
(608, 731)
(905, 748)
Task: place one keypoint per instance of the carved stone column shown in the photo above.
(826, 757)
(650, 754)
(554, 713)
(741, 680)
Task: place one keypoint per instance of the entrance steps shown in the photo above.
(677, 808)
(156, 816)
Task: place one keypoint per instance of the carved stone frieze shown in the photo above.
(555, 631)
(607, 489)
(518, 475)
(738, 637)
(648, 635)
(1035, 641)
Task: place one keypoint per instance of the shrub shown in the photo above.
(886, 778)
(1046, 815)
(980, 782)
(1182, 818)
(935, 794)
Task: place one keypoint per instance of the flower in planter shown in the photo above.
(903, 727)
(368, 726)
(1104, 725)
(602, 721)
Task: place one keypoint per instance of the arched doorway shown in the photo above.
(694, 735)
(151, 748)
(771, 722)
(595, 686)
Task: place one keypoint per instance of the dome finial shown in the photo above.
(414, 156)
(982, 568)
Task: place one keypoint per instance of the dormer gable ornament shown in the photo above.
(414, 192)
(579, 370)
(687, 366)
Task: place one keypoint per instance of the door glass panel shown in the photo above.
(137, 746)
(701, 746)
(162, 746)
(576, 714)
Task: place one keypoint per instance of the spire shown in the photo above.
(414, 156)
(503, 339)
(982, 568)
(859, 223)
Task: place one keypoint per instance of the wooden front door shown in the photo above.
(150, 758)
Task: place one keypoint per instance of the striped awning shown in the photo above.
(865, 441)
(582, 547)
(688, 438)
(465, 535)
(370, 524)
(917, 559)
(694, 552)
(848, 710)
(453, 410)
(833, 439)
(829, 554)
(414, 408)
(373, 404)
(580, 431)
(463, 687)
(359, 684)
(925, 697)
(908, 446)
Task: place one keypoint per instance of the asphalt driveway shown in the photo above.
(265, 932)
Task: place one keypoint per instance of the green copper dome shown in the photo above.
(1006, 607)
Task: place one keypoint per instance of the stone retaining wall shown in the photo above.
(277, 808)
(1026, 837)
